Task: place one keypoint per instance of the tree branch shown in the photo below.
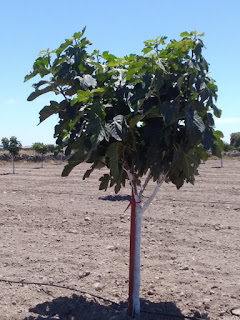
(149, 177)
(155, 191)
(63, 93)
(132, 182)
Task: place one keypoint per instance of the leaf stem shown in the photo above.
(63, 93)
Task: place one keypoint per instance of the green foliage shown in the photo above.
(40, 148)
(235, 139)
(12, 145)
(51, 148)
(141, 112)
(227, 147)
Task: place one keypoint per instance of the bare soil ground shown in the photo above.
(64, 231)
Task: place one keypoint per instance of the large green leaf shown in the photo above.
(170, 112)
(185, 34)
(218, 143)
(63, 46)
(217, 112)
(96, 165)
(78, 157)
(162, 63)
(107, 56)
(104, 182)
(38, 93)
(83, 96)
(138, 95)
(119, 77)
(208, 139)
(117, 127)
(218, 134)
(47, 111)
(114, 158)
(194, 126)
(40, 83)
(86, 81)
(73, 161)
(185, 166)
(198, 47)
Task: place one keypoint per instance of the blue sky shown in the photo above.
(27, 27)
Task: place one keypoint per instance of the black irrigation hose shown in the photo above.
(96, 296)
(58, 286)
(180, 316)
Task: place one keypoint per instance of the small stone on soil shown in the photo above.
(73, 231)
(83, 274)
(236, 311)
(110, 247)
(98, 286)
(151, 292)
(185, 268)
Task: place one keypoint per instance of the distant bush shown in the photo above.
(235, 139)
(40, 148)
(51, 148)
(227, 147)
(31, 158)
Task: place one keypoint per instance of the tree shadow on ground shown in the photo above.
(81, 308)
(116, 198)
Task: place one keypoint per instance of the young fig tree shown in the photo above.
(13, 146)
(144, 117)
(51, 148)
(41, 148)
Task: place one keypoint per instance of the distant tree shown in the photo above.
(235, 139)
(59, 151)
(143, 117)
(13, 146)
(227, 147)
(51, 148)
(41, 148)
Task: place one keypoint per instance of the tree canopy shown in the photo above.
(235, 139)
(40, 147)
(138, 113)
(12, 145)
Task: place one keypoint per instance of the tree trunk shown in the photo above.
(137, 261)
(132, 254)
(13, 166)
(42, 160)
(137, 209)
(135, 250)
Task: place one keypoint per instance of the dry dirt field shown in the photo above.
(65, 232)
